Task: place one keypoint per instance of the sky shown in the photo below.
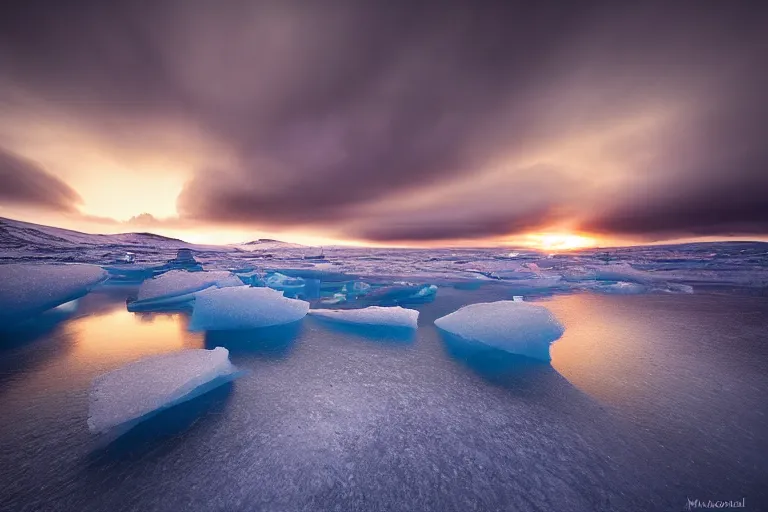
(387, 122)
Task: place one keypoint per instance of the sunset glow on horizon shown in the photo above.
(422, 135)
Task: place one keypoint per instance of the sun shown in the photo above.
(559, 241)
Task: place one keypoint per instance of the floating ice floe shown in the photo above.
(244, 307)
(372, 315)
(517, 327)
(132, 273)
(290, 285)
(178, 287)
(677, 288)
(128, 395)
(337, 298)
(619, 288)
(401, 293)
(622, 272)
(28, 289)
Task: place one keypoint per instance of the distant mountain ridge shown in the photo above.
(16, 234)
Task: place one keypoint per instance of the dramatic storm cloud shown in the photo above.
(24, 182)
(396, 121)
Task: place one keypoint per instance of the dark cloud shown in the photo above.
(23, 182)
(343, 116)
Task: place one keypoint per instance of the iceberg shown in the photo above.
(133, 393)
(372, 315)
(28, 289)
(184, 259)
(518, 327)
(244, 307)
(178, 287)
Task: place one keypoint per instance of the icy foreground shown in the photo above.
(244, 307)
(372, 315)
(516, 327)
(178, 286)
(129, 394)
(26, 290)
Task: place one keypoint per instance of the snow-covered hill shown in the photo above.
(27, 241)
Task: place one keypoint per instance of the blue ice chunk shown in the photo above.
(291, 286)
(28, 289)
(251, 277)
(315, 273)
(123, 397)
(401, 293)
(517, 327)
(244, 307)
(337, 298)
(356, 288)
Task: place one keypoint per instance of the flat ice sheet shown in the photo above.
(180, 282)
(372, 315)
(130, 393)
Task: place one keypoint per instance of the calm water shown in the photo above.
(649, 400)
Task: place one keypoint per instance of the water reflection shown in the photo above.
(608, 344)
(524, 376)
(120, 336)
(274, 342)
(98, 337)
(379, 333)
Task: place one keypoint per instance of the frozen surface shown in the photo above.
(126, 395)
(328, 421)
(373, 315)
(27, 289)
(517, 327)
(177, 286)
(244, 307)
(388, 277)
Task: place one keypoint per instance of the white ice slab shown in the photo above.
(373, 315)
(129, 394)
(517, 327)
(177, 286)
(244, 307)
